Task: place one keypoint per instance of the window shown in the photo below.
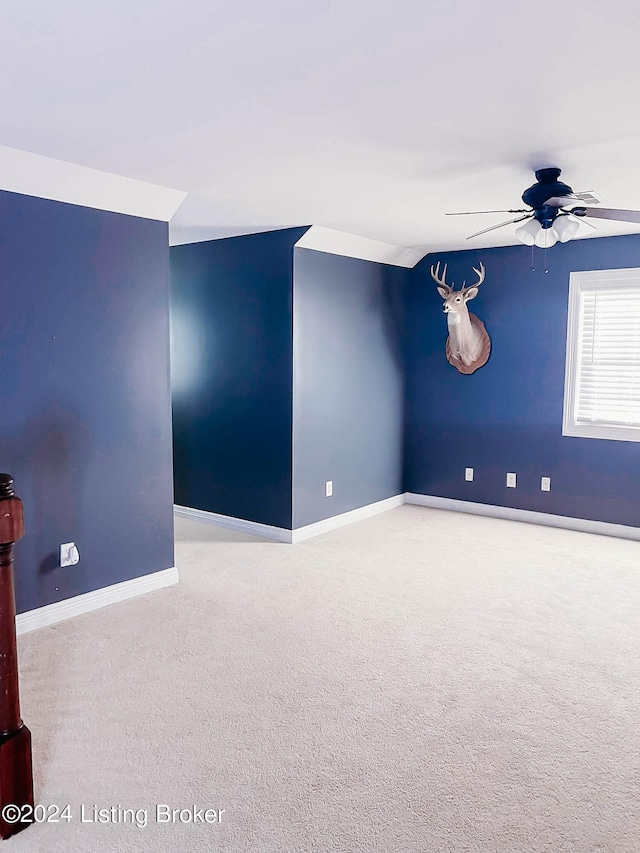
(602, 372)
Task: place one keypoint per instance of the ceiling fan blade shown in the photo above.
(607, 213)
(474, 212)
(584, 199)
(582, 220)
(493, 227)
(563, 200)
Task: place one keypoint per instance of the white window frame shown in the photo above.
(578, 283)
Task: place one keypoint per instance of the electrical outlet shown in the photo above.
(511, 481)
(328, 488)
(69, 554)
(545, 484)
(468, 474)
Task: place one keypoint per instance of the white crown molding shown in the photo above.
(584, 525)
(323, 239)
(45, 177)
(61, 610)
(186, 235)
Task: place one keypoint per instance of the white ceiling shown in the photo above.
(369, 118)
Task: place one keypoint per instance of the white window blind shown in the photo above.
(609, 357)
(602, 381)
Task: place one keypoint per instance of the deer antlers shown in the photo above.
(435, 274)
(480, 274)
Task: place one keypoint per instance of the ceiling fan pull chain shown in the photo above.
(546, 268)
(533, 269)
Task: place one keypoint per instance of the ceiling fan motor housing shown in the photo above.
(547, 186)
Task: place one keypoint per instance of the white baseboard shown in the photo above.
(604, 528)
(282, 534)
(52, 613)
(61, 610)
(327, 524)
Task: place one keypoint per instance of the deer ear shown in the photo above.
(444, 291)
(470, 293)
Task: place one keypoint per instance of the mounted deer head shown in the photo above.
(468, 345)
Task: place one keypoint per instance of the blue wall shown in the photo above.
(348, 383)
(232, 363)
(508, 415)
(84, 382)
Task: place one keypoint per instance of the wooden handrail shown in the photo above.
(16, 774)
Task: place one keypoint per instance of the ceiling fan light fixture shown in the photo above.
(546, 238)
(527, 233)
(556, 212)
(566, 228)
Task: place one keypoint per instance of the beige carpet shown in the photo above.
(420, 681)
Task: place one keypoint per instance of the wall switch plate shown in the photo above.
(69, 554)
(545, 484)
(468, 474)
(511, 481)
(328, 488)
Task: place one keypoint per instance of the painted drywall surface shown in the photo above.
(84, 383)
(348, 383)
(231, 332)
(508, 415)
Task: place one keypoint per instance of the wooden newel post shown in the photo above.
(16, 776)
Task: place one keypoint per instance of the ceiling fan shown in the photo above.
(555, 212)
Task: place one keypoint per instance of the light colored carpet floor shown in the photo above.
(420, 681)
